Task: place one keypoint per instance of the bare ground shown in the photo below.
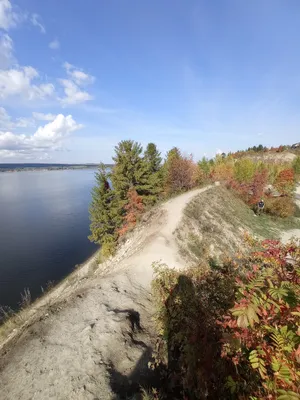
(93, 340)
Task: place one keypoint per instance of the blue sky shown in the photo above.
(78, 76)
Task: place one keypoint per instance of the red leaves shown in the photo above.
(182, 174)
(285, 181)
(134, 209)
(270, 346)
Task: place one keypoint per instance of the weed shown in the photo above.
(25, 298)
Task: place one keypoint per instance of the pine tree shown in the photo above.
(103, 213)
(152, 158)
(130, 170)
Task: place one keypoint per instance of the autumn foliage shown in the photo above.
(133, 210)
(181, 174)
(285, 181)
(262, 329)
(232, 331)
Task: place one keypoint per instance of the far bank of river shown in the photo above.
(44, 225)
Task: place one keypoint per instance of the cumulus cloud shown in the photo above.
(36, 21)
(54, 45)
(9, 18)
(78, 76)
(6, 51)
(46, 138)
(73, 94)
(43, 117)
(19, 82)
(7, 123)
(73, 86)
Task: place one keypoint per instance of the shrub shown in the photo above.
(108, 246)
(296, 165)
(285, 181)
(181, 174)
(133, 210)
(188, 307)
(262, 338)
(279, 206)
(222, 172)
(244, 170)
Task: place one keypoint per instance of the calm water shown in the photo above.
(44, 224)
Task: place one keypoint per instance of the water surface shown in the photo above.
(44, 224)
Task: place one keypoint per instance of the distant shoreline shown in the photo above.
(46, 167)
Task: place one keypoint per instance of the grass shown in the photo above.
(215, 221)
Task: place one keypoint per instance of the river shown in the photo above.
(44, 224)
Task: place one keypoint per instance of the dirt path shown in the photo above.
(96, 343)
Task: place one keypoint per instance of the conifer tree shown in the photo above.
(152, 158)
(130, 170)
(103, 213)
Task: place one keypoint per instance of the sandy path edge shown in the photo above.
(82, 340)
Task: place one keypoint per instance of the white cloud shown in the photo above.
(18, 82)
(46, 138)
(57, 130)
(78, 76)
(54, 45)
(6, 51)
(7, 123)
(43, 117)
(73, 94)
(36, 21)
(8, 17)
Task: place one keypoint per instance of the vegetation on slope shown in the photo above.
(140, 178)
(231, 331)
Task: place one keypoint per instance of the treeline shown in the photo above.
(139, 178)
(259, 149)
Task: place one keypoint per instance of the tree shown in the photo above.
(103, 212)
(153, 160)
(181, 174)
(205, 168)
(244, 170)
(130, 170)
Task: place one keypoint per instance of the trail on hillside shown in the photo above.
(97, 343)
(293, 233)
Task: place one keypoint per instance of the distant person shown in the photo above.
(260, 206)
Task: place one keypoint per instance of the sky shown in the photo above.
(78, 76)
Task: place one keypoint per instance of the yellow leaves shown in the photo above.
(247, 315)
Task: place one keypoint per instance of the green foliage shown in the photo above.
(205, 167)
(153, 161)
(103, 211)
(244, 170)
(130, 170)
(153, 158)
(296, 165)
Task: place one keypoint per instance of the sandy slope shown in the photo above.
(293, 233)
(97, 342)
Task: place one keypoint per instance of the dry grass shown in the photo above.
(215, 223)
